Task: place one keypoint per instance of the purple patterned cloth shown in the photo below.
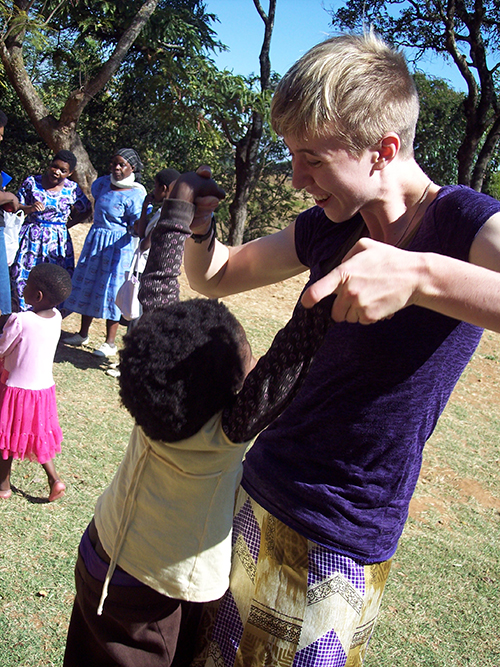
(332, 580)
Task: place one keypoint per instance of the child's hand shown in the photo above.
(205, 206)
(38, 206)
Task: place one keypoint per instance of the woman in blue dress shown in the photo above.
(108, 249)
(52, 203)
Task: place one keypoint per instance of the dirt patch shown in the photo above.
(436, 480)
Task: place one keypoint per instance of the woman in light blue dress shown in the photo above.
(52, 203)
(108, 249)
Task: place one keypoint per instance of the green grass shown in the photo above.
(441, 606)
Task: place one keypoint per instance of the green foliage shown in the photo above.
(440, 128)
(467, 33)
(22, 152)
(193, 120)
(419, 25)
(168, 100)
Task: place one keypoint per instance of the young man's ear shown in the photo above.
(386, 150)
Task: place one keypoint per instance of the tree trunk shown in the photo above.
(246, 163)
(247, 149)
(484, 156)
(480, 106)
(61, 133)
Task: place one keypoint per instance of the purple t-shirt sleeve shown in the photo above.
(457, 214)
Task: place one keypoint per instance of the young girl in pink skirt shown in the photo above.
(29, 426)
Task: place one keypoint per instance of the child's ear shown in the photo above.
(39, 296)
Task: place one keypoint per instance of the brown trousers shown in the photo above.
(139, 627)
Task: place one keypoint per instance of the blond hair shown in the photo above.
(352, 87)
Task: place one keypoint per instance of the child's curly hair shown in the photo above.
(180, 366)
(53, 281)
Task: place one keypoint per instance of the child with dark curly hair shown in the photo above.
(29, 425)
(160, 540)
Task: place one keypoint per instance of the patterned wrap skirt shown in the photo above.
(291, 602)
(29, 425)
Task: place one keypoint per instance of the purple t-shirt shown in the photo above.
(341, 463)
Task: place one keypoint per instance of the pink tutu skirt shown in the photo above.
(29, 425)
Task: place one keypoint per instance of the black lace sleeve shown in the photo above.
(160, 279)
(277, 377)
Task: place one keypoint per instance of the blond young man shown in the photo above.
(326, 488)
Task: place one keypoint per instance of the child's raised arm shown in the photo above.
(270, 387)
(159, 282)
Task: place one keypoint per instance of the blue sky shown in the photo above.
(299, 24)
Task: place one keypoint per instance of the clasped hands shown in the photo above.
(200, 189)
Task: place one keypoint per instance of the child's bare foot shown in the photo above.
(5, 493)
(57, 490)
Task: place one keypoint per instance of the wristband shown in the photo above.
(211, 232)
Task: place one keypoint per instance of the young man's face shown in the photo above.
(1, 132)
(340, 183)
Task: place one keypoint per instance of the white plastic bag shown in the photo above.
(13, 222)
(127, 298)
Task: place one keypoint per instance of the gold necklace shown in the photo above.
(419, 204)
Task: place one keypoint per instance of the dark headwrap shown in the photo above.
(66, 156)
(133, 159)
(167, 176)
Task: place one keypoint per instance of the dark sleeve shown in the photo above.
(159, 281)
(458, 214)
(277, 377)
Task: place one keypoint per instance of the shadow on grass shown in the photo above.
(35, 500)
(81, 356)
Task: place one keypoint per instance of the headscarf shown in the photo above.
(66, 156)
(133, 159)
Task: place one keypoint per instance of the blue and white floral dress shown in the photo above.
(44, 235)
(107, 251)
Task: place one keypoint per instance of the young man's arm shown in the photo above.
(216, 270)
(226, 270)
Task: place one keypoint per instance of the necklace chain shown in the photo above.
(419, 204)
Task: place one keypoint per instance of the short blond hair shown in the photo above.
(353, 87)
